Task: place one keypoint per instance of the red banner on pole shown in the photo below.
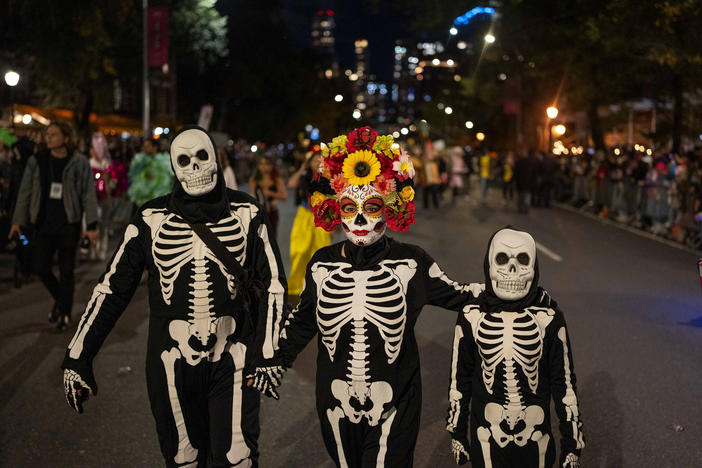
(158, 36)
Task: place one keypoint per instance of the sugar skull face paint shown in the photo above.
(362, 214)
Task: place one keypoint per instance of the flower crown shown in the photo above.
(364, 158)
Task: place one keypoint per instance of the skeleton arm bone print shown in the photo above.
(563, 391)
(447, 293)
(109, 299)
(462, 366)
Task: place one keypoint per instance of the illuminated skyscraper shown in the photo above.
(323, 42)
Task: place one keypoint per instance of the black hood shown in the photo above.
(489, 302)
(207, 208)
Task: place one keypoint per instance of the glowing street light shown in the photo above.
(552, 112)
(559, 130)
(404, 130)
(453, 31)
(462, 45)
(480, 136)
(26, 119)
(12, 78)
(338, 98)
(356, 114)
(469, 124)
(448, 110)
(489, 38)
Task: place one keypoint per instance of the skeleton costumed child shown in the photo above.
(199, 331)
(362, 297)
(511, 355)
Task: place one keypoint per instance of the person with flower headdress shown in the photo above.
(362, 298)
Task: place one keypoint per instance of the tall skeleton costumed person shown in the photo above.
(200, 331)
(362, 298)
(511, 355)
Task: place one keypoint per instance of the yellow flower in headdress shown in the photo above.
(325, 150)
(317, 198)
(361, 167)
(383, 144)
(407, 194)
(338, 144)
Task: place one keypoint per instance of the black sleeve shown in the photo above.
(269, 274)
(461, 380)
(444, 292)
(109, 299)
(301, 324)
(563, 389)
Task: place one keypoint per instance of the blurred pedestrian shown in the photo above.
(100, 160)
(459, 171)
(485, 172)
(227, 170)
(507, 175)
(548, 170)
(432, 178)
(268, 188)
(150, 173)
(56, 191)
(523, 175)
(305, 238)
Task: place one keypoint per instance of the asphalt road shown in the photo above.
(633, 306)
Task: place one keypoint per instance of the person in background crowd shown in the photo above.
(547, 169)
(484, 174)
(459, 171)
(523, 175)
(305, 238)
(100, 160)
(507, 174)
(55, 192)
(268, 188)
(227, 170)
(150, 174)
(432, 178)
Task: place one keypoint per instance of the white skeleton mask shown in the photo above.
(362, 214)
(194, 162)
(512, 256)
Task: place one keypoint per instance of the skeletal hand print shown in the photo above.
(77, 391)
(267, 379)
(571, 461)
(460, 454)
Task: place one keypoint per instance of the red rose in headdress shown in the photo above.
(333, 164)
(384, 185)
(361, 138)
(401, 219)
(386, 169)
(327, 214)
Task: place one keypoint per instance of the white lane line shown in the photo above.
(549, 253)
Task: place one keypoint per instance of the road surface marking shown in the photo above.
(549, 253)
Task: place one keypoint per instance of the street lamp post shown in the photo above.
(11, 79)
(551, 113)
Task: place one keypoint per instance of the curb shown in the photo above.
(630, 229)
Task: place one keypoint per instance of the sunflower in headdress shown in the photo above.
(361, 167)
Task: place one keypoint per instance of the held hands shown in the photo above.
(77, 391)
(14, 229)
(266, 380)
(460, 451)
(571, 461)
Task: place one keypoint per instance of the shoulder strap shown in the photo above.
(222, 253)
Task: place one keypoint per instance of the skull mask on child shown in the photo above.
(512, 257)
(362, 214)
(194, 162)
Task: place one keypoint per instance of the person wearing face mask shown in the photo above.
(511, 355)
(202, 331)
(362, 298)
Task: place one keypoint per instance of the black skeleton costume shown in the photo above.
(200, 336)
(363, 303)
(511, 355)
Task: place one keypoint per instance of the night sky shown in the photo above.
(354, 20)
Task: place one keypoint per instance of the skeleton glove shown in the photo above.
(77, 391)
(571, 461)
(267, 379)
(460, 451)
